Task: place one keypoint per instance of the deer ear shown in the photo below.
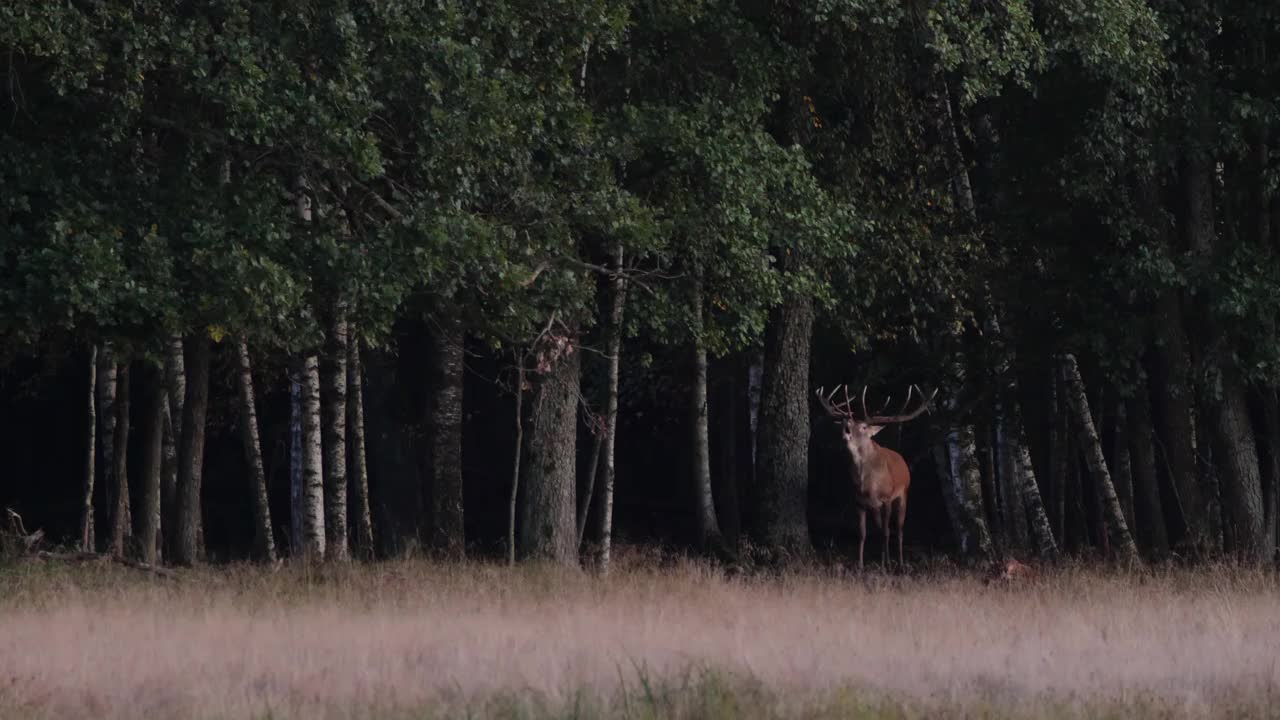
(873, 429)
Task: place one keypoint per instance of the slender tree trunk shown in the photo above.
(359, 463)
(515, 469)
(297, 484)
(709, 536)
(176, 391)
(951, 497)
(107, 417)
(782, 472)
(445, 423)
(1123, 461)
(313, 506)
(1148, 510)
(334, 433)
(991, 500)
(121, 525)
(614, 349)
(148, 515)
(1060, 454)
(548, 527)
(191, 452)
(90, 470)
(1118, 530)
(963, 454)
(264, 544)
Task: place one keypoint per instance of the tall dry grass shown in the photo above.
(416, 639)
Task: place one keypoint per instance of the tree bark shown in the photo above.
(359, 463)
(1271, 419)
(313, 505)
(1225, 406)
(1123, 462)
(176, 392)
(121, 525)
(445, 423)
(947, 478)
(1148, 510)
(107, 418)
(782, 471)
(548, 527)
(709, 536)
(148, 515)
(264, 544)
(334, 433)
(90, 469)
(1117, 529)
(1059, 457)
(297, 484)
(191, 451)
(614, 349)
(515, 469)
(963, 454)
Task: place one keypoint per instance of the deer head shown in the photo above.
(858, 431)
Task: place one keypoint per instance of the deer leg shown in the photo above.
(902, 519)
(862, 535)
(885, 509)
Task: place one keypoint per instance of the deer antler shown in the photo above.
(901, 417)
(837, 410)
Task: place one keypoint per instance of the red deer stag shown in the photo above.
(880, 475)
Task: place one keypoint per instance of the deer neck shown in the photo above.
(864, 453)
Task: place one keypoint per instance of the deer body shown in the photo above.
(880, 475)
(881, 479)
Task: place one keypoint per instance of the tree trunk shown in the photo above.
(148, 515)
(991, 500)
(782, 472)
(709, 537)
(176, 392)
(548, 527)
(963, 454)
(614, 350)
(359, 464)
(86, 507)
(515, 469)
(264, 544)
(1123, 462)
(1118, 530)
(297, 485)
(947, 478)
(1240, 472)
(1271, 470)
(107, 417)
(445, 423)
(1148, 510)
(1226, 406)
(121, 525)
(335, 441)
(191, 452)
(313, 505)
(1059, 457)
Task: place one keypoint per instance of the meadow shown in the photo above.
(416, 639)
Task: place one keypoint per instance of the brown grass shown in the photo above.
(417, 639)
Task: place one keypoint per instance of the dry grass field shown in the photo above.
(414, 639)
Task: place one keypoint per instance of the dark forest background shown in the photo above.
(308, 279)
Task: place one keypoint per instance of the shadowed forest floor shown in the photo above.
(417, 639)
